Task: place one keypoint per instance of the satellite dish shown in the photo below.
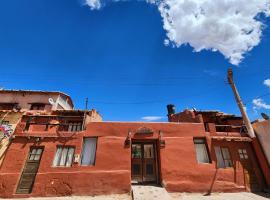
(51, 101)
(17, 108)
(265, 116)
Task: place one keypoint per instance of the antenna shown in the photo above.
(17, 108)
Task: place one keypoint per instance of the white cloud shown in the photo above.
(259, 103)
(152, 118)
(166, 42)
(93, 4)
(227, 26)
(267, 82)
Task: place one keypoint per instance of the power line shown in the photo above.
(210, 89)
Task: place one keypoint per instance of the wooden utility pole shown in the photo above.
(240, 105)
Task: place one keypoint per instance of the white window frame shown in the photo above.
(243, 155)
(62, 160)
(202, 153)
(88, 153)
(223, 160)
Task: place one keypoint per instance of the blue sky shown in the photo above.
(117, 58)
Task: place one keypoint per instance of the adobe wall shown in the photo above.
(185, 116)
(111, 173)
(179, 170)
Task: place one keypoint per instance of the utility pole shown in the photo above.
(240, 104)
(86, 104)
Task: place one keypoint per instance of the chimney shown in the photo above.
(171, 109)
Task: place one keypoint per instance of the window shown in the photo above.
(74, 126)
(37, 106)
(35, 154)
(63, 156)
(223, 157)
(201, 151)
(243, 154)
(89, 151)
(5, 122)
(206, 127)
(136, 151)
(71, 126)
(27, 124)
(7, 106)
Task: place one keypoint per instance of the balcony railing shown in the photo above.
(61, 127)
(230, 130)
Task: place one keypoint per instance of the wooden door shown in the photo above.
(149, 163)
(143, 162)
(136, 163)
(30, 170)
(251, 181)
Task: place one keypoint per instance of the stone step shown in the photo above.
(147, 192)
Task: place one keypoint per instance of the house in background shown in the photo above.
(262, 129)
(75, 153)
(26, 100)
(15, 103)
(8, 122)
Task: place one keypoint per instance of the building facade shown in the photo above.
(66, 153)
(15, 103)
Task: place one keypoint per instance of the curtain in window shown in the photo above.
(227, 157)
(63, 157)
(220, 162)
(69, 157)
(70, 127)
(89, 151)
(38, 154)
(201, 153)
(57, 156)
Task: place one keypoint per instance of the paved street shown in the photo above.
(173, 196)
(221, 196)
(105, 197)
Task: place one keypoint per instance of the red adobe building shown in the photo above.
(74, 153)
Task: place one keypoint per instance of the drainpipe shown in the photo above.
(84, 115)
